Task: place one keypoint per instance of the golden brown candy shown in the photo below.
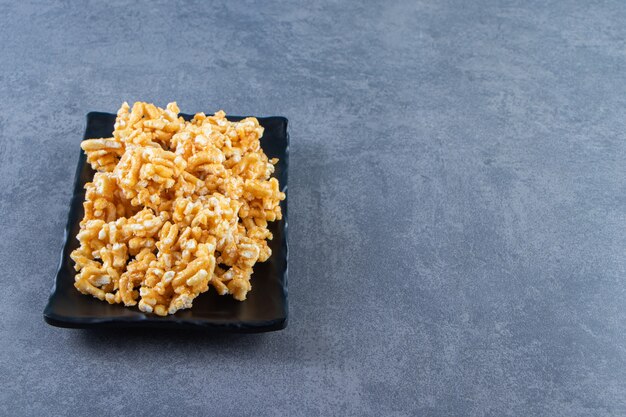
(175, 208)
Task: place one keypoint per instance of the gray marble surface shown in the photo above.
(457, 205)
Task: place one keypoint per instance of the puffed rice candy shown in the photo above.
(174, 208)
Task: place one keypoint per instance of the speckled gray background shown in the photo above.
(457, 205)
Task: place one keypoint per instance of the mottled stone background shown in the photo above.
(457, 204)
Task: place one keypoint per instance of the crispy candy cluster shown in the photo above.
(174, 207)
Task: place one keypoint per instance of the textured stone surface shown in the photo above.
(457, 205)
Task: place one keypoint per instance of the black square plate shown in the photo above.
(266, 306)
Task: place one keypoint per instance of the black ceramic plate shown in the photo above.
(266, 306)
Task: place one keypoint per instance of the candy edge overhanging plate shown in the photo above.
(150, 321)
